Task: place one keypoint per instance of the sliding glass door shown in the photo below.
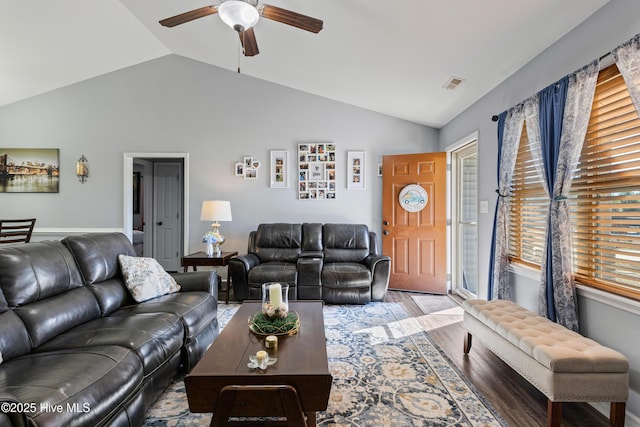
(465, 220)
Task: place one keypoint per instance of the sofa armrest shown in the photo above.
(203, 281)
(14, 419)
(248, 261)
(380, 266)
(311, 254)
(239, 267)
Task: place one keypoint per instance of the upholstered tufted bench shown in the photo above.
(562, 364)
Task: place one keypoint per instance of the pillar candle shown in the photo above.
(275, 295)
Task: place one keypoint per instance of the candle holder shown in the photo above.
(275, 300)
(275, 318)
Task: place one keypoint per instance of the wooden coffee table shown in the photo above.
(301, 373)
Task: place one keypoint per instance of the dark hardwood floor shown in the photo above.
(517, 401)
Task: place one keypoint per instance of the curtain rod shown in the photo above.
(494, 118)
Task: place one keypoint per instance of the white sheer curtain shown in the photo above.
(560, 282)
(627, 59)
(511, 139)
(532, 117)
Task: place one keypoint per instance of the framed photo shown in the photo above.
(279, 169)
(29, 170)
(250, 173)
(355, 170)
(316, 171)
(248, 168)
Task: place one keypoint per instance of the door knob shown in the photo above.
(159, 223)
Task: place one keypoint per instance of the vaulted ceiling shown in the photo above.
(391, 57)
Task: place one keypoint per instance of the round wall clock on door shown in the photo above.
(413, 198)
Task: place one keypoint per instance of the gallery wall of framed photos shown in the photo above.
(316, 171)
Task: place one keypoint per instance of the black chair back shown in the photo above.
(16, 230)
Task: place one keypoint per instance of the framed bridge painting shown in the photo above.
(29, 170)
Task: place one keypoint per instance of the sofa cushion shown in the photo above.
(89, 384)
(196, 310)
(345, 275)
(312, 237)
(145, 278)
(273, 272)
(97, 254)
(14, 339)
(48, 318)
(36, 271)
(153, 337)
(345, 242)
(111, 295)
(278, 242)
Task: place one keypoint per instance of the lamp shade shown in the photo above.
(215, 210)
(239, 15)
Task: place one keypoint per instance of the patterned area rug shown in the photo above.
(386, 372)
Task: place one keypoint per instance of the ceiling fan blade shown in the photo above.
(189, 16)
(249, 43)
(291, 18)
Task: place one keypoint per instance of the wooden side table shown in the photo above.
(200, 259)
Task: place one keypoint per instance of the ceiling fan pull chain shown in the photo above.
(239, 52)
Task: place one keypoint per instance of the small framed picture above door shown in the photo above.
(355, 170)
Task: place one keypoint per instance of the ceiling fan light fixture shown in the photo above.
(238, 14)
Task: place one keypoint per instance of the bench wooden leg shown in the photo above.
(554, 414)
(617, 414)
(467, 343)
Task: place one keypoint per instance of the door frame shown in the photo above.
(128, 191)
(451, 212)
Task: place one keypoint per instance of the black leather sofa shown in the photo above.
(77, 350)
(338, 263)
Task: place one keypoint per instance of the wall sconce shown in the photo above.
(82, 169)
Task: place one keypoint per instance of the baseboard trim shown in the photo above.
(60, 233)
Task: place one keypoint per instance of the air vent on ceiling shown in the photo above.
(453, 83)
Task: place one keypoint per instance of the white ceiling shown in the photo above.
(389, 57)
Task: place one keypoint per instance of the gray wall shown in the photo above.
(174, 104)
(615, 23)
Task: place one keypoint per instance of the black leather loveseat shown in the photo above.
(338, 263)
(76, 349)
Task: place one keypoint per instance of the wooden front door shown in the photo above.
(415, 237)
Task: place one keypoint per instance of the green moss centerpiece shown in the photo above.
(275, 318)
(262, 325)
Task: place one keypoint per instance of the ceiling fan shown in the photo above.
(242, 15)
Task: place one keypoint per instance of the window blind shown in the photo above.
(528, 208)
(604, 197)
(605, 194)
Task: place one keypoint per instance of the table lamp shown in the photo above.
(216, 210)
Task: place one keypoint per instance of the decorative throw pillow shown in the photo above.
(145, 278)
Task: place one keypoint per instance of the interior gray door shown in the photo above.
(167, 214)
